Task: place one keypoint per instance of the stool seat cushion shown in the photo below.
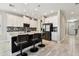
(17, 43)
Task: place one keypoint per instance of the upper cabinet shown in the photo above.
(52, 19)
(17, 21)
(20, 22)
(26, 20)
(33, 23)
(11, 20)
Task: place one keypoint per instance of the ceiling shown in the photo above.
(40, 9)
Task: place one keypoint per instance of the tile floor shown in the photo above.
(68, 47)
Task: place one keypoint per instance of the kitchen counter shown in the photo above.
(21, 33)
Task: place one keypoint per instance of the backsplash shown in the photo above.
(16, 29)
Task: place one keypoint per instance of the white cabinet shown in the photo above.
(14, 20)
(33, 23)
(53, 20)
(27, 20)
(54, 36)
(11, 20)
(5, 49)
(19, 22)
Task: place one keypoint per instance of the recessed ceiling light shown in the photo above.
(25, 3)
(36, 9)
(24, 10)
(14, 9)
(51, 11)
(72, 12)
(45, 13)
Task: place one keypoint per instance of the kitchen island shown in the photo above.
(13, 37)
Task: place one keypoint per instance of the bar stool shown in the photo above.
(33, 40)
(41, 37)
(21, 39)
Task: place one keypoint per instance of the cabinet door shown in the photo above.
(5, 49)
(33, 23)
(21, 22)
(11, 20)
(54, 36)
(15, 21)
(27, 20)
(18, 22)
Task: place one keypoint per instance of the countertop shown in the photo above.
(21, 33)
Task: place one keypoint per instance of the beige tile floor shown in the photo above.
(69, 47)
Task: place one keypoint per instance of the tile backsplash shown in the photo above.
(15, 29)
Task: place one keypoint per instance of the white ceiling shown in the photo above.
(33, 9)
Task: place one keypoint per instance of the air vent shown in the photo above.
(11, 5)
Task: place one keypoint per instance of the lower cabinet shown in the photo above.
(5, 49)
(47, 36)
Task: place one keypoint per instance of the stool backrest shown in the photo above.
(37, 35)
(22, 38)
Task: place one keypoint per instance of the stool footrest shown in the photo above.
(34, 49)
(41, 45)
(23, 54)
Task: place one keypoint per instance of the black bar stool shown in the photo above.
(21, 39)
(33, 40)
(41, 37)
